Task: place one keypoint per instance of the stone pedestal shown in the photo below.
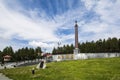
(76, 52)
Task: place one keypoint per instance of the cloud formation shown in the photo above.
(106, 25)
(45, 24)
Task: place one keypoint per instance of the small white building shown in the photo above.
(7, 58)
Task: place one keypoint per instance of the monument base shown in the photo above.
(76, 51)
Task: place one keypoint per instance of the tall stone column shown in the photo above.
(76, 35)
(76, 50)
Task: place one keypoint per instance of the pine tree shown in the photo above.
(119, 45)
(54, 51)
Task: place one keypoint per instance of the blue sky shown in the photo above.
(44, 23)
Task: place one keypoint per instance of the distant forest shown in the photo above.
(111, 45)
(21, 54)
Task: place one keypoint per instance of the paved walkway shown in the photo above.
(3, 77)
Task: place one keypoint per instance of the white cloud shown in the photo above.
(44, 45)
(89, 3)
(14, 23)
(108, 10)
(41, 44)
(108, 23)
(95, 27)
(41, 31)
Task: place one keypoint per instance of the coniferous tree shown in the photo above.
(38, 50)
(64, 49)
(8, 51)
(110, 45)
(119, 45)
(54, 51)
(0, 56)
(114, 45)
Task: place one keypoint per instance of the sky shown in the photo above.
(44, 23)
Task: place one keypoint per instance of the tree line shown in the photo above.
(21, 54)
(111, 45)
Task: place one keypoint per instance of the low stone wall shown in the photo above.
(83, 56)
(95, 55)
(63, 57)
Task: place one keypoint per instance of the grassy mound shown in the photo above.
(91, 69)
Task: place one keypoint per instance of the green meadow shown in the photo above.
(90, 69)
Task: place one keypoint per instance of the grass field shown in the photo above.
(91, 69)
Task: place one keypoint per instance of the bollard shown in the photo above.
(33, 71)
(5, 67)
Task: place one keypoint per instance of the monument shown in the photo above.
(76, 50)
